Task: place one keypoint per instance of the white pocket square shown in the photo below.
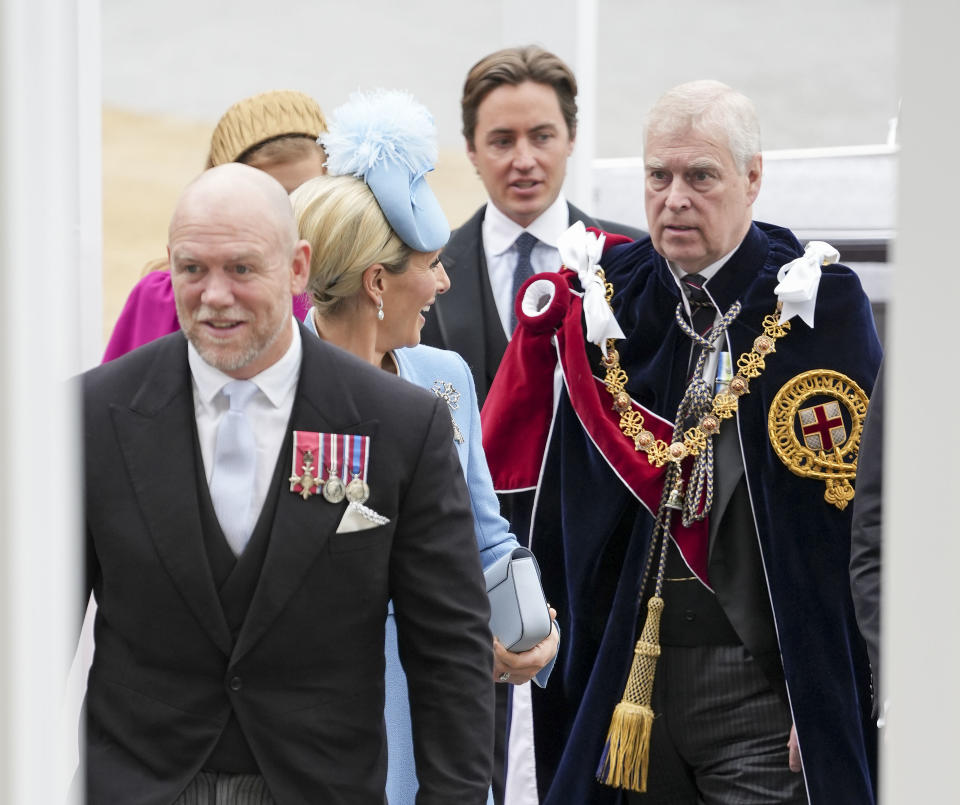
(358, 517)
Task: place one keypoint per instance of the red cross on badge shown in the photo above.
(822, 426)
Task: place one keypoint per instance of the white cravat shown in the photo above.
(234, 466)
(268, 413)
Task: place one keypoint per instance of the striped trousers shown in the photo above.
(212, 788)
(720, 736)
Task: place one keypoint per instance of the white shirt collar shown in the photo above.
(500, 232)
(706, 273)
(275, 381)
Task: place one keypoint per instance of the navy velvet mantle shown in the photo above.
(591, 556)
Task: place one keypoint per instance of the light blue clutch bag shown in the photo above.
(519, 617)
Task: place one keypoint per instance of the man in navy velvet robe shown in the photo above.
(762, 688)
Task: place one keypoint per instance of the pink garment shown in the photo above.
(150, 312)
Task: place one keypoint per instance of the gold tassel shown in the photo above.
(626, 754)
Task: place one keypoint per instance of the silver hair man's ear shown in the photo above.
(388, 139)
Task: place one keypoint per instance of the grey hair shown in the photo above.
(708, 107)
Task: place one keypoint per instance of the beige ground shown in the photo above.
(148, 160)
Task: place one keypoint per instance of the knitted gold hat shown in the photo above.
(255, 120)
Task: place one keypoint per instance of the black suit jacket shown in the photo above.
(304, 675)
(866, 536)
(465, 318)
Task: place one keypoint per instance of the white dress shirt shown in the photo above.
(499, 235)
(268, 409)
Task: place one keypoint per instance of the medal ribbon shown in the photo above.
(359, 456)
(346, 447)
(335, 455)
(305, 441)
(330, 450)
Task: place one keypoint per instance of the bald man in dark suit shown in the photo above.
(240, 627)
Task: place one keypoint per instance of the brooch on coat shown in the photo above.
(446, 392)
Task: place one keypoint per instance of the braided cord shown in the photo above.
(697, 402)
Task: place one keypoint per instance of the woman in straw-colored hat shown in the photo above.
(376, 230)
(275, 132)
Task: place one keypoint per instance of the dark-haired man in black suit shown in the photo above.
(519, 109)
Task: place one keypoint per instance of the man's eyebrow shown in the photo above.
(702, 163)
(240, 257)
(698, 163)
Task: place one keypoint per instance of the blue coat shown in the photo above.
(434, 368)
(428, 367)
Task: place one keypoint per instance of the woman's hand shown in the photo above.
(519, 667)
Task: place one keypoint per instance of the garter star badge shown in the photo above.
(815, 422)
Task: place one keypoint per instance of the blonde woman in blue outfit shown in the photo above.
(376, 231)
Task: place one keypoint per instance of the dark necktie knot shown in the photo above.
(693, 287)
(702, 311)
(525, 243)
(523, 269)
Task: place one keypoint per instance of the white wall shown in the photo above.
(49, 315)
(921, 612)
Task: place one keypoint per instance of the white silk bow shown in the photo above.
(800, 279)
(580, 251)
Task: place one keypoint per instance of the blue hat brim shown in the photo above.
(409, 205)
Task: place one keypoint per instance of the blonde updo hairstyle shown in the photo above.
(341, 220)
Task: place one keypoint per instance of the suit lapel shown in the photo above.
(475, 330)
(460, 318)
(577, 214)
(156, 437)
(728, 470)
(301, 528)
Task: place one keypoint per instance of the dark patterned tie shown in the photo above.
(702, 312)
(522, 271)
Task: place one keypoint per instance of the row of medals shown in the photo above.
(333, 489)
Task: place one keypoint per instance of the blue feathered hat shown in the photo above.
(388, 139)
